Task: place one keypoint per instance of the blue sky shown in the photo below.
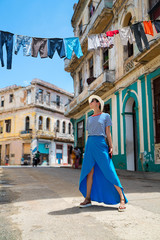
(36, 18)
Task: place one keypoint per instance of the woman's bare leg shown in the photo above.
(122, 201)
(89, 183)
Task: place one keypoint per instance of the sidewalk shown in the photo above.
(153, 176)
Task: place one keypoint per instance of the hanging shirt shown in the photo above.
(73, 44)
(106, 42)
(157, 25)
(93, 42)
(126, 35)
(148, 29)
(112, 33)
(96, 125)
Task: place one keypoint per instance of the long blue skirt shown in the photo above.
(104, 177)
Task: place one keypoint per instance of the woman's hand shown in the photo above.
(110, 152)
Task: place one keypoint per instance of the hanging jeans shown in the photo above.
(25, 42)
(39, 45)
(7, 39)
(72, 44)
(56, 44)
(157, 25)
(139, 33)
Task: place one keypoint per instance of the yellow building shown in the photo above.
(35, 112)
(125, 78)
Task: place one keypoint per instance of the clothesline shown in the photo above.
(105, 40)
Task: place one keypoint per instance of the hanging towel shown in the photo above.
(106, 42)
(157, 25)
(7, 39)
(126, 35)
(25, 42)
(93, 42)
(139, 35)
(73, 44)
(148, 29)
(39, 45)
(112, 33)
(56, 44)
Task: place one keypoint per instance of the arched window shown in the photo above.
(40, 123)
(57, 126)
(27, 123)
(69, 128)
(64, 127)
(48, 124)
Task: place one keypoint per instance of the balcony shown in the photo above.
(27, 134)
(45, 134)
(97, 23)
(101, 84)
(51, 106)
(154, 51)
(64, 137)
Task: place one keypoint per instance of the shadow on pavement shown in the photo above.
(75, 210)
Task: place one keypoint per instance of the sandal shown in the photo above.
(122, 207)
(86, 203)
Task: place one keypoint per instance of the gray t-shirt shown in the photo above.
(96, 125)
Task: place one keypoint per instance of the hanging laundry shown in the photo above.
(7, 39)
(148, 29)
(126, 35)
(56, 44)
(25, 42)
(112, 33)
(157, 25)
(93, 42)
(140, 34)
(39, 45)
(106, 42)
(72, 44)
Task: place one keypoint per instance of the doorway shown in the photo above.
(131, 135)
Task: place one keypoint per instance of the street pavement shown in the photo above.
(42, 204)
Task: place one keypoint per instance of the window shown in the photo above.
(58, 100)
(59, 146)
(154, 11)
(1, 127)
(28, 96)
(11, 98)
(40, 123)
(2, 101)
(80, 82)
(57, 126)
(48, 124)
(105, 59)
(27, 123)
(91, 9)
(8, 125)
(69, 128)
(48, 98)
(80, 134)
(107, 108)
(40, 95)
(91, 67)
(80, 29)
(128, 50)
(156, 89)
(64, 127)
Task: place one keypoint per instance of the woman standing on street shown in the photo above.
(99, 181)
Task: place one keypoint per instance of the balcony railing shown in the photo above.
(45, 134)
(102, 83)
(26, 131)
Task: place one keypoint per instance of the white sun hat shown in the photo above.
(98, 98)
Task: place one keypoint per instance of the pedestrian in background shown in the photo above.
(99, 181)
(73, 156)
